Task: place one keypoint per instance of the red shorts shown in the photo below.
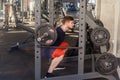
(60, 51)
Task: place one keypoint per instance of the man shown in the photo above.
(58, 54)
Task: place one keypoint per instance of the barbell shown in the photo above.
(46, 35)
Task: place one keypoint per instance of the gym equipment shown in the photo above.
(46, 33)
(99, 22)
(83, 19)
(106, 64)
(100, 36)
(29, 40)
(28, 29)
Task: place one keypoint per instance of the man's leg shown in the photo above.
(57, 56)
(56, 60)
(54, 63)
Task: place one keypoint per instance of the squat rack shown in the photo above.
(83, 18)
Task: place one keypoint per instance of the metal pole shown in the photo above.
(37, 49)
(7, 9)
(51, 12)
(0, 4)
(82, 38)
(98, 9)
(22, 11)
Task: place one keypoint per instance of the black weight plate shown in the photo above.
(99, 22)
(106, 64)
(100, 36)
(45, 33)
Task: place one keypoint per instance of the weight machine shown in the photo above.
(7, 9)
(45, 19)
(83, 19)
(8, 18)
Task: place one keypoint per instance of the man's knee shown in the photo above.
(62, 56)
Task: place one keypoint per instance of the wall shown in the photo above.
(107, 15)
(107, 11)
(118, 37)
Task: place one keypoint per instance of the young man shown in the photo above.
(58, 54)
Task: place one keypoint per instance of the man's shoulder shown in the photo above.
(59, 30)
(58, 27)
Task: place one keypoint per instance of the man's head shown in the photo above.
(68, 21)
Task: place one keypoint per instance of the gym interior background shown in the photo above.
(18, 28)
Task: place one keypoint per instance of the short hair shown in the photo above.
(67, 18)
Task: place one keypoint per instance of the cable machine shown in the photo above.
(83, 19)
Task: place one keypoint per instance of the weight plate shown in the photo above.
(106, 64)
(100, 36)
(99, 22)
(46, 34)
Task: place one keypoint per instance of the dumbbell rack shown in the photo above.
(83, 18)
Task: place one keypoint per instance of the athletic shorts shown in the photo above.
(53, 52)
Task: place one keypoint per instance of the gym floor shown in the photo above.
(19, 64)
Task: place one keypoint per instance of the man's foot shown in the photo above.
(48, 75)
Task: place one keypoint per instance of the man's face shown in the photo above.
(70, 24)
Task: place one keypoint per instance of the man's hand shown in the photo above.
(49, 42)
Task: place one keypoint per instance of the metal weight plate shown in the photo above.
(99, 22)
(46, 35)
(100, 36)
(106, 64)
